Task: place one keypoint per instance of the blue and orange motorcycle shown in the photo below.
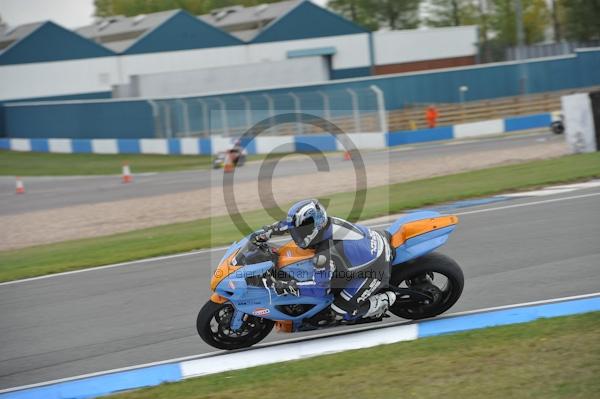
(243, 309)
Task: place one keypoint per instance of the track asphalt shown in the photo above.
(520, 250)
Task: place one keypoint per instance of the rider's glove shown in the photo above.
(262, 235)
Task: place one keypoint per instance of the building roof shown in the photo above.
(10, 36)
(182, 31)
(304, 21)
(45, 42)
(119, 32)
(247, 22)
(124, 34)
(178, 30)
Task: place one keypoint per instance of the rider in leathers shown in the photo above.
(347, 256)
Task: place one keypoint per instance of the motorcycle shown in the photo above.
(237, 157)
(243, 309)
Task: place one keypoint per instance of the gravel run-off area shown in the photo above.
(105, 218)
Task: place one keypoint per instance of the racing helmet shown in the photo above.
(305, 220)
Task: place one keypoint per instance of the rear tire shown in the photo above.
(212, 325)
(428, 265)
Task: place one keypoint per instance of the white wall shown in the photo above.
(352, 50)
(185, 60)
(57, 78)
(230, 78)
(396, 47)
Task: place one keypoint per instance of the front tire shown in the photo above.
(420, 274)
(213, 327)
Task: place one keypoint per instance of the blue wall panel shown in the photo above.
(418, 136)
(527, 122)
(205, 146)
(121, 119)
(174, 146)
(81, 145)
(315, 143)
(4, 144)
(350, 73)
(128, 146)
(588, 67)
(39, 145)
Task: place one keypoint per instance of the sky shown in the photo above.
(68, 13)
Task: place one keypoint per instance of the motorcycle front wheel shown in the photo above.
(214, 327)
(434, 274)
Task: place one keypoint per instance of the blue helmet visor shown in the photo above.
(299, 233)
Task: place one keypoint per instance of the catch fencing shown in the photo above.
(353, 110)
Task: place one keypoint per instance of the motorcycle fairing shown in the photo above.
(420, 232)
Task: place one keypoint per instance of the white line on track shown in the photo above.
(208, 250)
(310, 337)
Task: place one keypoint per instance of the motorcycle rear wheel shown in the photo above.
(420, 274)
(213, 326)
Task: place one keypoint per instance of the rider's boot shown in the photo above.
(380, 303)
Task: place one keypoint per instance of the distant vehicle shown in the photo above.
(236, 155)
(558, 126)
(244, 309)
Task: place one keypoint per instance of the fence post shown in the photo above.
(247, 112)
(299, 127)
(383, 122)
(326, 109)
(224, 123)
(355, 113)
(205, 122)
(156, 117)
(186, 116)
(271, 106)
(168, 127)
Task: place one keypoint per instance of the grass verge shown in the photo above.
(14, 163)
(205, 233)
(548, 358)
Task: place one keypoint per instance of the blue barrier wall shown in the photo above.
(85, 96)
(123, 119)
(133, 119)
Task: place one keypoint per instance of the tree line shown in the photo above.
(573, 20)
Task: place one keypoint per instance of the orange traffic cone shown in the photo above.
(20, 186)
(126, 175)
(228, 166)
(347, 156)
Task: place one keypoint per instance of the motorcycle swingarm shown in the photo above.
(410, 295)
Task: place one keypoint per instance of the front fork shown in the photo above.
(237, 319)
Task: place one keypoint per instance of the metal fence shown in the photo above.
(546, 50)
(359, 110)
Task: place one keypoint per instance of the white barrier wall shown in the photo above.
(396, 47)
(477, 129)
(45, 79)
(580, 130)
(231, 78)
